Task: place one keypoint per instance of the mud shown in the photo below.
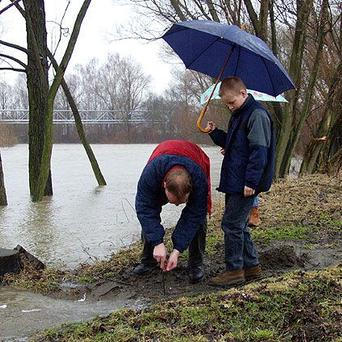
(278, 258)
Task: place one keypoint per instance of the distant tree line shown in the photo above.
(119, 84)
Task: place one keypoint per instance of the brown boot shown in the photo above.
(228, 278)
(253, 273)
(254, 218)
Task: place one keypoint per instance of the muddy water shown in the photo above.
(36, 312)
(81, 221)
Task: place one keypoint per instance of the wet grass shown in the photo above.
(300, 306)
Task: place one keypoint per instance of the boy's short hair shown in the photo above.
(233, 84)
(178, 182)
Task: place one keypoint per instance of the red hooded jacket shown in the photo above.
(190, 150)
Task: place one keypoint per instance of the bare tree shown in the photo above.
(20, 96)
(6, 93)
(41, 94)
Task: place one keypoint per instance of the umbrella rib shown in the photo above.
(199, 55)
(237, 62)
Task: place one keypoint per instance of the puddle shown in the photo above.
(36, 312)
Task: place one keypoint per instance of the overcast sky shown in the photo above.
(96, 36)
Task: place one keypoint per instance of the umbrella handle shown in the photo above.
(200, 118)
(204, 110)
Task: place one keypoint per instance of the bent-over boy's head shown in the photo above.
(233, 93)
(177, 185)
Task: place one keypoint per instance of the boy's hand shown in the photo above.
(160, 253)
(248, 191)
(173, 260)
(210, 126)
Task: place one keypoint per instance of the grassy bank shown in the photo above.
(301, 306)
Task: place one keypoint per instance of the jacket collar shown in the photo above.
(246, 105)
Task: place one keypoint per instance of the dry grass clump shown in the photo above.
(309, 200)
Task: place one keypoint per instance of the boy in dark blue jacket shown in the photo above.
(177, 172)
(247, 169)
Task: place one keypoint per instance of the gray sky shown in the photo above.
(96, 37)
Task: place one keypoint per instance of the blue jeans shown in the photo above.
(240, 252)
(256, 202)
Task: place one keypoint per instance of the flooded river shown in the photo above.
(81, 221)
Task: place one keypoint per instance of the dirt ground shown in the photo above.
(276, 259)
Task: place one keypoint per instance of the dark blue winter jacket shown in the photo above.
(151, 197)
(249, 149)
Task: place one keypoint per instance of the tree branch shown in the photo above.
(175, 5)
(14, 59)
(14, 69)
(14, 46)
(252, 15)
(9, 6)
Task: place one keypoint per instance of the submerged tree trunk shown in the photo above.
(38, 88)
(47, 147)
(79, 126)
(3, 197)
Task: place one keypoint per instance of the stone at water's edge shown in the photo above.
(15, 260)
(9, 261)
(27, 259)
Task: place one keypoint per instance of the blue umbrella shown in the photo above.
(220, 50)
(205, 45)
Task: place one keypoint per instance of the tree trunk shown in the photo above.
(38, 87)
(310, 89)
(79, 126)
(295, 73)
(3, 197)
(310, 162)
(331, 160)
(47, 147)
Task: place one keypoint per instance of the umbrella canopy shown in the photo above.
(256, 94)
(208, 47)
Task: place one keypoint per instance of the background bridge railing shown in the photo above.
(21, 116)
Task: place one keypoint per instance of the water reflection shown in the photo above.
(39, 227)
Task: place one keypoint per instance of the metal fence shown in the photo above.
(21, 116)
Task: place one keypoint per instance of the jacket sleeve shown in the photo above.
(259, 137)
(218, 136)
(148, 205)
(193, 215)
